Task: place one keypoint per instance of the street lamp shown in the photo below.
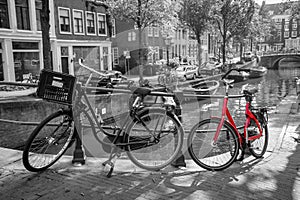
(168, 41)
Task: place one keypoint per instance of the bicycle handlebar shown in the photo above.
(236, 69)
(88, 68)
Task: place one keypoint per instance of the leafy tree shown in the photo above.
(195, 14)
(232, 18)
(144, 13)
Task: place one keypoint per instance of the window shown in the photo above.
(64, 20)
(294, 33)
(286, 34)
(101, 24)
(113, 28)
(90, 23)
(78, 22)
(115, 55)
(155, 32)
(4, 19)
(286, 27)
(26, 59)
(294, 26)
(131, 36)
(22, 11)
(38, 10)
(156, 53)
(150, 31)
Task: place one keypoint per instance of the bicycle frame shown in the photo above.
(249, 116)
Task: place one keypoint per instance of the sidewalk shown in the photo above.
(276, 176)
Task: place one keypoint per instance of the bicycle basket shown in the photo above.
(55, 86)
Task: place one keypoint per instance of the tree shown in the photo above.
(143, 13)
(232, 18)
(196, 15)
(45, 34)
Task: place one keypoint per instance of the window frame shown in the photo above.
(82, 19)
(105, 24)
(26, 25)
(286, 34)
(60, 31)
(294, 34)
(150, 31)
(113, 31)
(115, 54)
(86, 24)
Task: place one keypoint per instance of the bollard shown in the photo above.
(78, 154)
(180, 160)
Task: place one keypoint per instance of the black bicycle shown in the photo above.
(151, 136)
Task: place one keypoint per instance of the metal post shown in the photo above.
(78, 154)
(180, 160)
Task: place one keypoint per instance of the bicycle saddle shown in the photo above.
(141, 91)
(250, 91)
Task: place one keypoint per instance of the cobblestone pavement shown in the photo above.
(276, 176)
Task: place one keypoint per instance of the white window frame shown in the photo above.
(286, 27)
(115, 54)
(156, 53)
(113, 31)
(105, 24)
(155, 32)
(286, 34)
(295, 26)
(60, 31)
(150, 31)
(86, 24)
(82, 15)
(294, 33)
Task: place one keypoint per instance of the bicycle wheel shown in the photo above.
(211, 156)
(259, 146)
(156, 140)
(48, 141)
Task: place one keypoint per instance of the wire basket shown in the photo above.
(55, 86)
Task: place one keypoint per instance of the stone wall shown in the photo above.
(30, 109)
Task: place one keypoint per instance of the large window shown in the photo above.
(294, 33)
(90, 23)
(26, 59)
(78, 22)
(64, 20)
(38, 10)
(101, 24)
(22, 11)
(4, 20)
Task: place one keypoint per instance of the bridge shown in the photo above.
(272, 61)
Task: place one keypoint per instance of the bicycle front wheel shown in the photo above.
(48, 141)
(207, 154)
(155, 140)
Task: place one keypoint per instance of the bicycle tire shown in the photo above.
(213, 157)
(142, 150)
(48, 141)
(258, 147)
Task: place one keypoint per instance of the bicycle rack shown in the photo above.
(179, 96)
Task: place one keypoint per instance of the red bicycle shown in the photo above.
(214, 143)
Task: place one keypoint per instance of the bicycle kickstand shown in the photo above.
(110, 163)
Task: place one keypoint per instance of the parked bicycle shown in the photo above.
(214, 143)
(151, 136)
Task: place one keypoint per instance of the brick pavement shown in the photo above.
(277, 176)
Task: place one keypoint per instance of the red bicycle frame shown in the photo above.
(249, 116)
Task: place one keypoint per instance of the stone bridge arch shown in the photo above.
(272, 61)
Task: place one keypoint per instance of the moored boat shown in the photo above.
(257, 72)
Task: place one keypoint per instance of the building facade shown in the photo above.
(77, 29)
(21, 38)
(286, 36)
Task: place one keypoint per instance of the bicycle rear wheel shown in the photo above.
(211, 156)
(155, 141)
(48, 141)
(259, 146)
